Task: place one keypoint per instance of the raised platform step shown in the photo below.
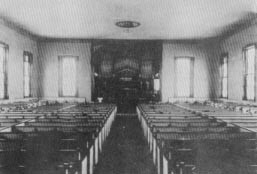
(126, 114)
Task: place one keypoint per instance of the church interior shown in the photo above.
(128, 87)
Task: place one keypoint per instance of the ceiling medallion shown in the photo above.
(127, 24)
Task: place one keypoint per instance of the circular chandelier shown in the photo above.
(127, 24)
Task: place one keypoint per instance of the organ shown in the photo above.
(126, 67)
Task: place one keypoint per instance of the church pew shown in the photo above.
(192, 137)
(179, 120)
(32, 114)
(171, 116)
(239, 115)
(63, 151)
(96, 144)
(184, 124)
(71, 151)
(64, 124)
(176, 122)
(169, 135)
(74, 120)
(194, 129)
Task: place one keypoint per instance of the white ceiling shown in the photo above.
(160, 19)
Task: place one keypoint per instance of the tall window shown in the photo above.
(184, 67)
(3, 71)
(224, 76)
(68, 76)
(27, 73)
(249, 74)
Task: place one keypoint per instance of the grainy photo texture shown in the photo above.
(128, 87)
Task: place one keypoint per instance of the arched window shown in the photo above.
(68, 76)
(224, 76)
(27, 73)
(3, 71)
(249, 54)
(184, 84)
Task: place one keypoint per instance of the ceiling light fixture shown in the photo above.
(127, 24)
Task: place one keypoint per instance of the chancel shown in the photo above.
(120, 87)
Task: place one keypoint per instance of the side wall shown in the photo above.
(234, 45)
(49, 52)
(45, 64)
(201, 71)
(18, 43)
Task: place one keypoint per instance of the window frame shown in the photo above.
(60, 76)
(245, 69)
(225, 55)
(30, 61)
(192, 62)
(5, 71)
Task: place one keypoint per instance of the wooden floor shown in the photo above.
(125, 151)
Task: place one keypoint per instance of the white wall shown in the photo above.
(233, 45)
(18, 43)
(49, 50)
(201, 71)
(46, 52)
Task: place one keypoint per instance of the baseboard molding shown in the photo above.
(65, 99)
(174, 100)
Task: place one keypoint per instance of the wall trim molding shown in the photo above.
(18, 28)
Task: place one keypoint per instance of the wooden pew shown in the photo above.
(77, 135)
(161, 130)
(239, 115)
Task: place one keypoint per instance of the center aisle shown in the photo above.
(125, 151)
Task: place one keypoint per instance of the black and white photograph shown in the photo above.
(128, 86)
